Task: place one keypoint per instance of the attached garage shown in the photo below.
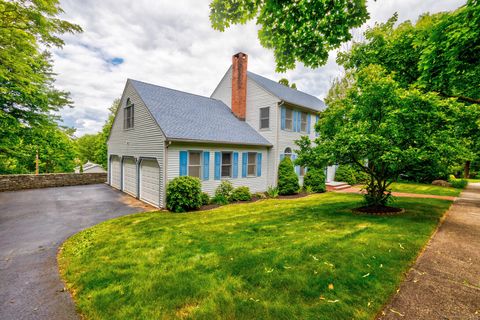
(130, 176)
(150, 182)
(115, 172)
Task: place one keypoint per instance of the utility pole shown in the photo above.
(36, 163)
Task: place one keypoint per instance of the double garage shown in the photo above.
(138, 177)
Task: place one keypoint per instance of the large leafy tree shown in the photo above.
(28, 98)
(296, 30)
(440, 53)
(371, 116)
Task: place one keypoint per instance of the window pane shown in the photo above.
(226, 171)
(288, 114)
(304, 122)
(264, 124)
(288, 124)
(252, 170)
(194, 171)
(264, 112)
(194, 158)
(252, 157)
(226, 158)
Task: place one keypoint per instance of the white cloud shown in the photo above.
(171, 43)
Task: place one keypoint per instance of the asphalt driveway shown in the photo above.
(33, 223)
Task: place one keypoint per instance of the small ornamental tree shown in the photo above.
(287, 178)
(369, 116)
(184, 193)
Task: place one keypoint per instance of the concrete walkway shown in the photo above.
(444, 282)
(359, 190)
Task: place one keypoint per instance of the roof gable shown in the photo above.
(288, 94)
(189, 117)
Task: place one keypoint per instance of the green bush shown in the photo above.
(205, 199)
(272, 192)
(458, 183)
(346, 173)
(260, 195)
(184, 193)
(225, 189)
(241, 194)
(220, 199)
(315, 180)
(287, 178)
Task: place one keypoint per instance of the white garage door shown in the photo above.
(115, 172)
(150, 182)
(130, 176)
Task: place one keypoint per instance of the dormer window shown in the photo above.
(128, 113)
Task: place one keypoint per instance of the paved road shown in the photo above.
(444, 282)
(33, 223)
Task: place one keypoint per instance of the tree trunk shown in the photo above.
(466, 172)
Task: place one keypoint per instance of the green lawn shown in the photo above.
(273, 259)
(473, 180)
(421, 188)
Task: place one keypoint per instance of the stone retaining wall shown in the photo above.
(13, 182)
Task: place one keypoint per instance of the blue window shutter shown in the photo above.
(218, 157)
(316, 121)
(235, 165)
(183, 163)
(283, 113)
(294, 125)
(299, 121)
(244, 164)
(308, 123)
(259, 164)
(206, 165)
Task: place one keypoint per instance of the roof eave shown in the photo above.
(218, 142)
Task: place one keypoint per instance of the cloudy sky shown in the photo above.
(171, 43)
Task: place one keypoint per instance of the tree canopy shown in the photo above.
(28, 98)
(296, 30)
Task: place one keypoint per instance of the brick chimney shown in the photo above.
(239, 85)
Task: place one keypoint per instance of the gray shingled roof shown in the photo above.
(288, 94)
(189, 117)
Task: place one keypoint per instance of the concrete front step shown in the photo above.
(336, 185)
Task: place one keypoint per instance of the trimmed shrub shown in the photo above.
(224, 190)
(241, 194)
(458, 183)
(184, 193)
(259, 195)
(272, 192)
(314, 180)
(205, 199)
(220, 199)
(346, 173)
(287, 178)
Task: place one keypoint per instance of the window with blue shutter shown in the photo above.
(259, 164)
(283, 113)
(183, 163)
(206, 165)
(299, 121)
(218, 158)
(235, 165)
(244, 164)
(309, 123)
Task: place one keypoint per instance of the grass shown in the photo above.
(473, 180)
(410, 187)
(306, 258)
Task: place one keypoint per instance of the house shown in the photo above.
(90, 167)
(240, 133)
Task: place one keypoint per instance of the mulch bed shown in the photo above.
(378, 210)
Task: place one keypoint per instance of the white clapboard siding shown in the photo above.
(144, 140)
(130, 176)
(256, 184)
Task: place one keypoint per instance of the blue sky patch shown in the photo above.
(116, 61)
